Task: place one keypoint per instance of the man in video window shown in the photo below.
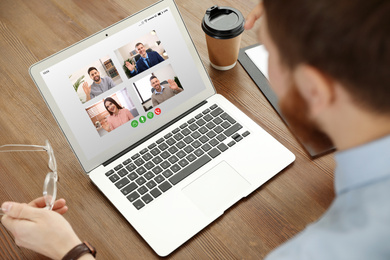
(161, 93)
(146, 61)
(99, 85)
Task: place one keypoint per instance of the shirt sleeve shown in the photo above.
(110, 82)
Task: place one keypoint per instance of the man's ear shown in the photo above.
(315, 87)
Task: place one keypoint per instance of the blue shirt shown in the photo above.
(357, 224)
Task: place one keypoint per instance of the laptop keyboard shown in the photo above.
(157, 168)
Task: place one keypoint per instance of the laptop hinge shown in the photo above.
(153, 133)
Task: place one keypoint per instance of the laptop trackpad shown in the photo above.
(217, 189)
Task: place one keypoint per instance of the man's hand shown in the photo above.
(254, 15)
(38, 229)
(87, 90)
(130, 66)
(59, 205)
(173, 85)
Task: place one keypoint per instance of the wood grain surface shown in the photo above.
(33, 30)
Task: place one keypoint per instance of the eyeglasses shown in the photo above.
(50, 184)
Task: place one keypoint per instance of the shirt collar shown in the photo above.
(162, 88)
(145, 57)
(362, 165)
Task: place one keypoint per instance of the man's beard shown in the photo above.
(96, 79)
(295, 110)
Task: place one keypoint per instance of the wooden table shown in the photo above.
(33, 30)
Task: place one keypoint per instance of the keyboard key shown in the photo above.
(204, 139)
(155, 151)
(122, 183)
(191, 121)
(175, 179)
(207, 118)
(198, 116)
(214, 142)
(185, 132)
(129, 188)
(193, 127)
(246, 133)
(131, 167)
(206, 147)
(133, 196)
(155, 192)
(139, 161)
(171, 141)
(233, 129)
(214, 152)
(165, 164)
(159, 178)
(159, 141)
(176, 130)
(147, 157)
(183, 126)
(191, 157)
(109, 172)
(165, 186)
(157, 169)
(183, 163)
(188, 149)
(188, 139)
(138, 204)
(213, 106)
(200, 122)
(142, 190)
(210, 125)
(167, 173)
(226, 124)
(199, 152)
(165, 155)
(143, 151)
(132, 176)
(151, 184)
(173, 149)
(181, 154)
(122, 172)
(118, 167)
(141, 170)
(221, 137)
(230, 144)
(222, 147)
(147, 198)
(178, 136)
(152, 146)
(203, 130)
(149, 165)
(173, 159)
(157, 160)
(217, 121)
(163, 146)
(149, 175)
(114, 178)
(195, 135)
(167, 135)
(175, 168)
(206, 111)
(211, 134)
(228, 118)
(180, 144)
(126, 162)
(135, 156)
(141, 180)
(216, 112)
(218, 129)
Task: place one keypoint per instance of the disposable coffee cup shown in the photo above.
(223, 27)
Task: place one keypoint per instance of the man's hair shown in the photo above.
(152, 77)
(348, 41)
(112, 101)
(140, 43)
(91, 69)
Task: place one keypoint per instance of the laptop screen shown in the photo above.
(116, 87)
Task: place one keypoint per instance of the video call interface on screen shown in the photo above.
(120, 84)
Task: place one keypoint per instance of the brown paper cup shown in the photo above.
(223, 53)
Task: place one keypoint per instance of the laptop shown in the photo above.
(170, 153)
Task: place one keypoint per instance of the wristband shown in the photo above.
(80, 250)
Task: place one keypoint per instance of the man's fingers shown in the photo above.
(253, 16)
(19, 211)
